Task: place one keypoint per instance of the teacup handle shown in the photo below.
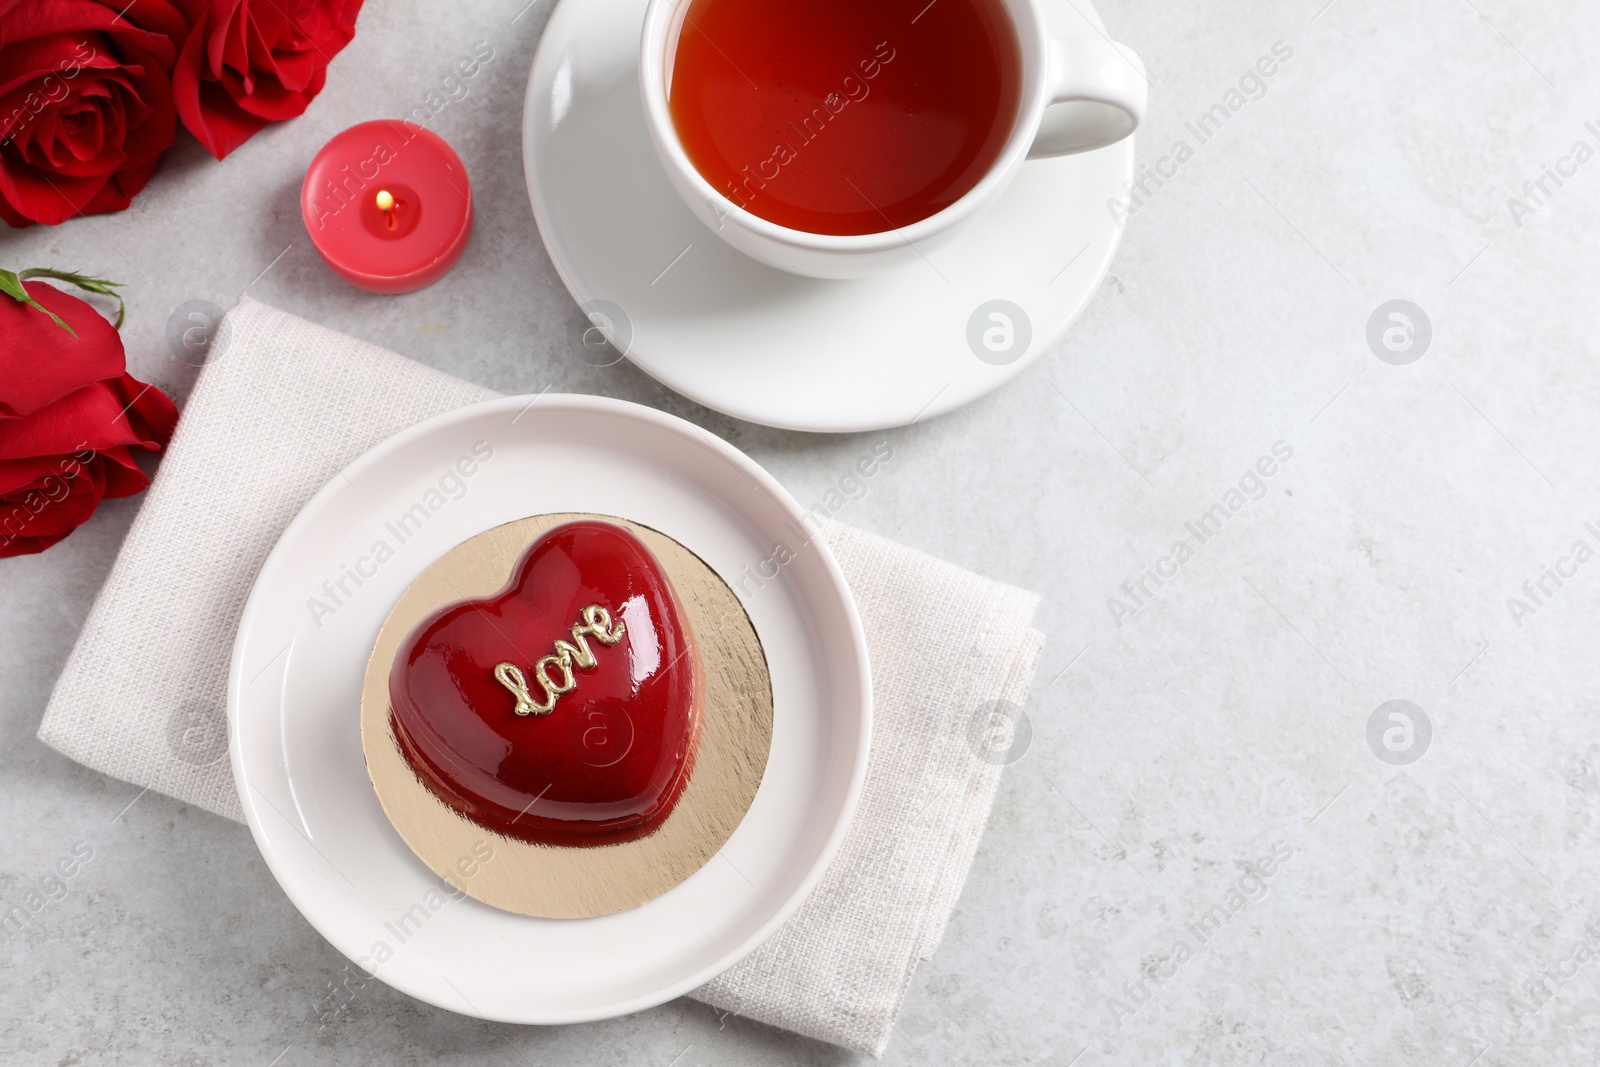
(1095, 71)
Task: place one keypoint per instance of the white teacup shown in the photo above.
(1078, 70)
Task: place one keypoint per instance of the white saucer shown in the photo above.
(294, 695)
(771, 347)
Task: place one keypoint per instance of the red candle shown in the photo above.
(388, 206)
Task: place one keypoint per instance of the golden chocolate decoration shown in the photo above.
(596, 622)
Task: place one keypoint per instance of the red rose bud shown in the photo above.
(69, 416)
(250, 62)
(85, 104)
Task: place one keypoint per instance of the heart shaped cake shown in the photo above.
(564, 709)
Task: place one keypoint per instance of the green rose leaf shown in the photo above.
(11, 285)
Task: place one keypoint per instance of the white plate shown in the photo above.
(776, 348)
(295, 686)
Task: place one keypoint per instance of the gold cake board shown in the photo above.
(581, 882)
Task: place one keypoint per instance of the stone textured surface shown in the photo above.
(1226, 716)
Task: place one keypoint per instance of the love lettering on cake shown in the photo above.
(596, 623)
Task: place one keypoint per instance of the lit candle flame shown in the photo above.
(385, 201)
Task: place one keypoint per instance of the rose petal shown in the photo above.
(62, 514)
(38, 18)
(18, 475)
(24, 65)
(150, 413)
(219, 122)
(159, 16)
(95, 416)
(27, 546)
(48, 199)
(123, 476)
(12, 217)
(213, 118)
(40, 362)
(272, 101)
(33, 521)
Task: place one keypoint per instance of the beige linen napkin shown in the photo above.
(283, 405)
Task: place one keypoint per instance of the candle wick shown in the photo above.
(386, 204)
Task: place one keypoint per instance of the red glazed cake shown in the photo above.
(564, 709)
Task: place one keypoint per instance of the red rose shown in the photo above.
(69, 413)
(250, 62)
(85, 104)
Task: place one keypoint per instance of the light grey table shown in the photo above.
(1433, 905)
